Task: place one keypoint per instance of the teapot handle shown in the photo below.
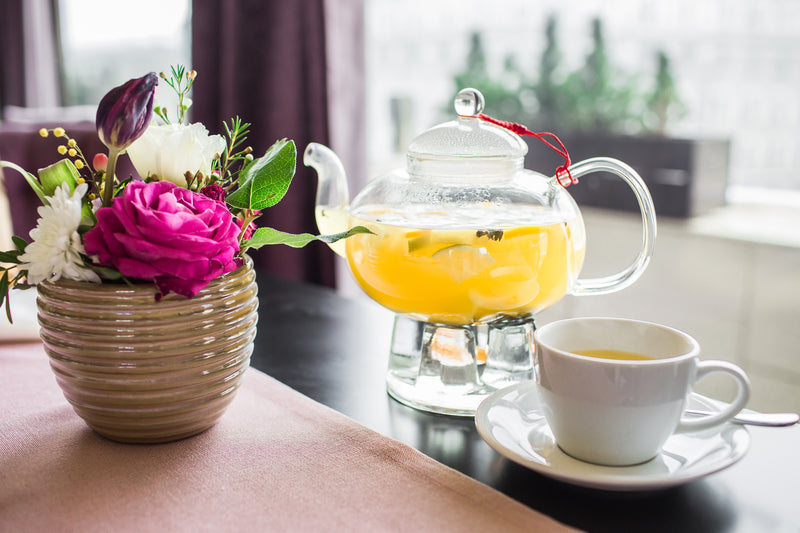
(624, 278)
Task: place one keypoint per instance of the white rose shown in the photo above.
(169, 151)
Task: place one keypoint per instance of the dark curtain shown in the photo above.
(265, 62)
(12, 59)
(20, 143)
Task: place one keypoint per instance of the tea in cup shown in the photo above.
(613, 390)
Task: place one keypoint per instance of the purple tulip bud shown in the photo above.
(125, 112)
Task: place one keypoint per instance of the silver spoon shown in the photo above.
(756, 419)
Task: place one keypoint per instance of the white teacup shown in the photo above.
(620, 412)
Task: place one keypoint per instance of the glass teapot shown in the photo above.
(466, 247)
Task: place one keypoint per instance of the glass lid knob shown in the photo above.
(469, 103)
(466, 147)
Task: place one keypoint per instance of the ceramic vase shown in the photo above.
(145, 371)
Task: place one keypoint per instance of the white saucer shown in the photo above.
(511, 421)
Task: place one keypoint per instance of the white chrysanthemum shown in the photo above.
(56, 247)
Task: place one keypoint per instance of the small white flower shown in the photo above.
(169, 151)
(56, 247)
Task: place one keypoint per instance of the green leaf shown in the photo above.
(19, 242)
(30, 178)
(265, 236)
(237, 133)
(12, 256)
(64, 171)
(355, 230)
(265, 180)
(107, 273)
(4, 286)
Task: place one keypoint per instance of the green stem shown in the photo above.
(249, 217)
(108, 191)
(181, 110)
(231, 185)
(224, 170)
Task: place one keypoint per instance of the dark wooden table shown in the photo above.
(335, 350)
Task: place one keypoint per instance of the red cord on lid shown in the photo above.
(519, 129)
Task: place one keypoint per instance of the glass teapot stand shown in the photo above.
(450, 369)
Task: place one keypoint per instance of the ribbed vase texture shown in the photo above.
(138, 370)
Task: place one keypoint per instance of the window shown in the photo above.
(103, 44)
(735, 65)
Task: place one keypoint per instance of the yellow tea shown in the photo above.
(462, 276)
(331, 221)
(614, 354)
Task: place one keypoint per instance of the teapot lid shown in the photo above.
(467, 146)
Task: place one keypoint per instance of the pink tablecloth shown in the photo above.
(277, 461)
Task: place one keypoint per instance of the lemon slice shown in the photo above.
(512, 287)
(462, 262)
(418, 240)
(522, 231)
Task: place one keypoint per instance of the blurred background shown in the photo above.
(731, 72)
(702, 98)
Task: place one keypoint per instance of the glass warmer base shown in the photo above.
(450, 369)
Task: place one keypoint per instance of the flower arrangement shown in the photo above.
(187, 221)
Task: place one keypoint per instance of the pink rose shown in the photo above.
(213, 191)
(172, 236)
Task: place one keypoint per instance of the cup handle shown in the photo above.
(624, 278)
(742, 396)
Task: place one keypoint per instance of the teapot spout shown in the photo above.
(332, 190)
